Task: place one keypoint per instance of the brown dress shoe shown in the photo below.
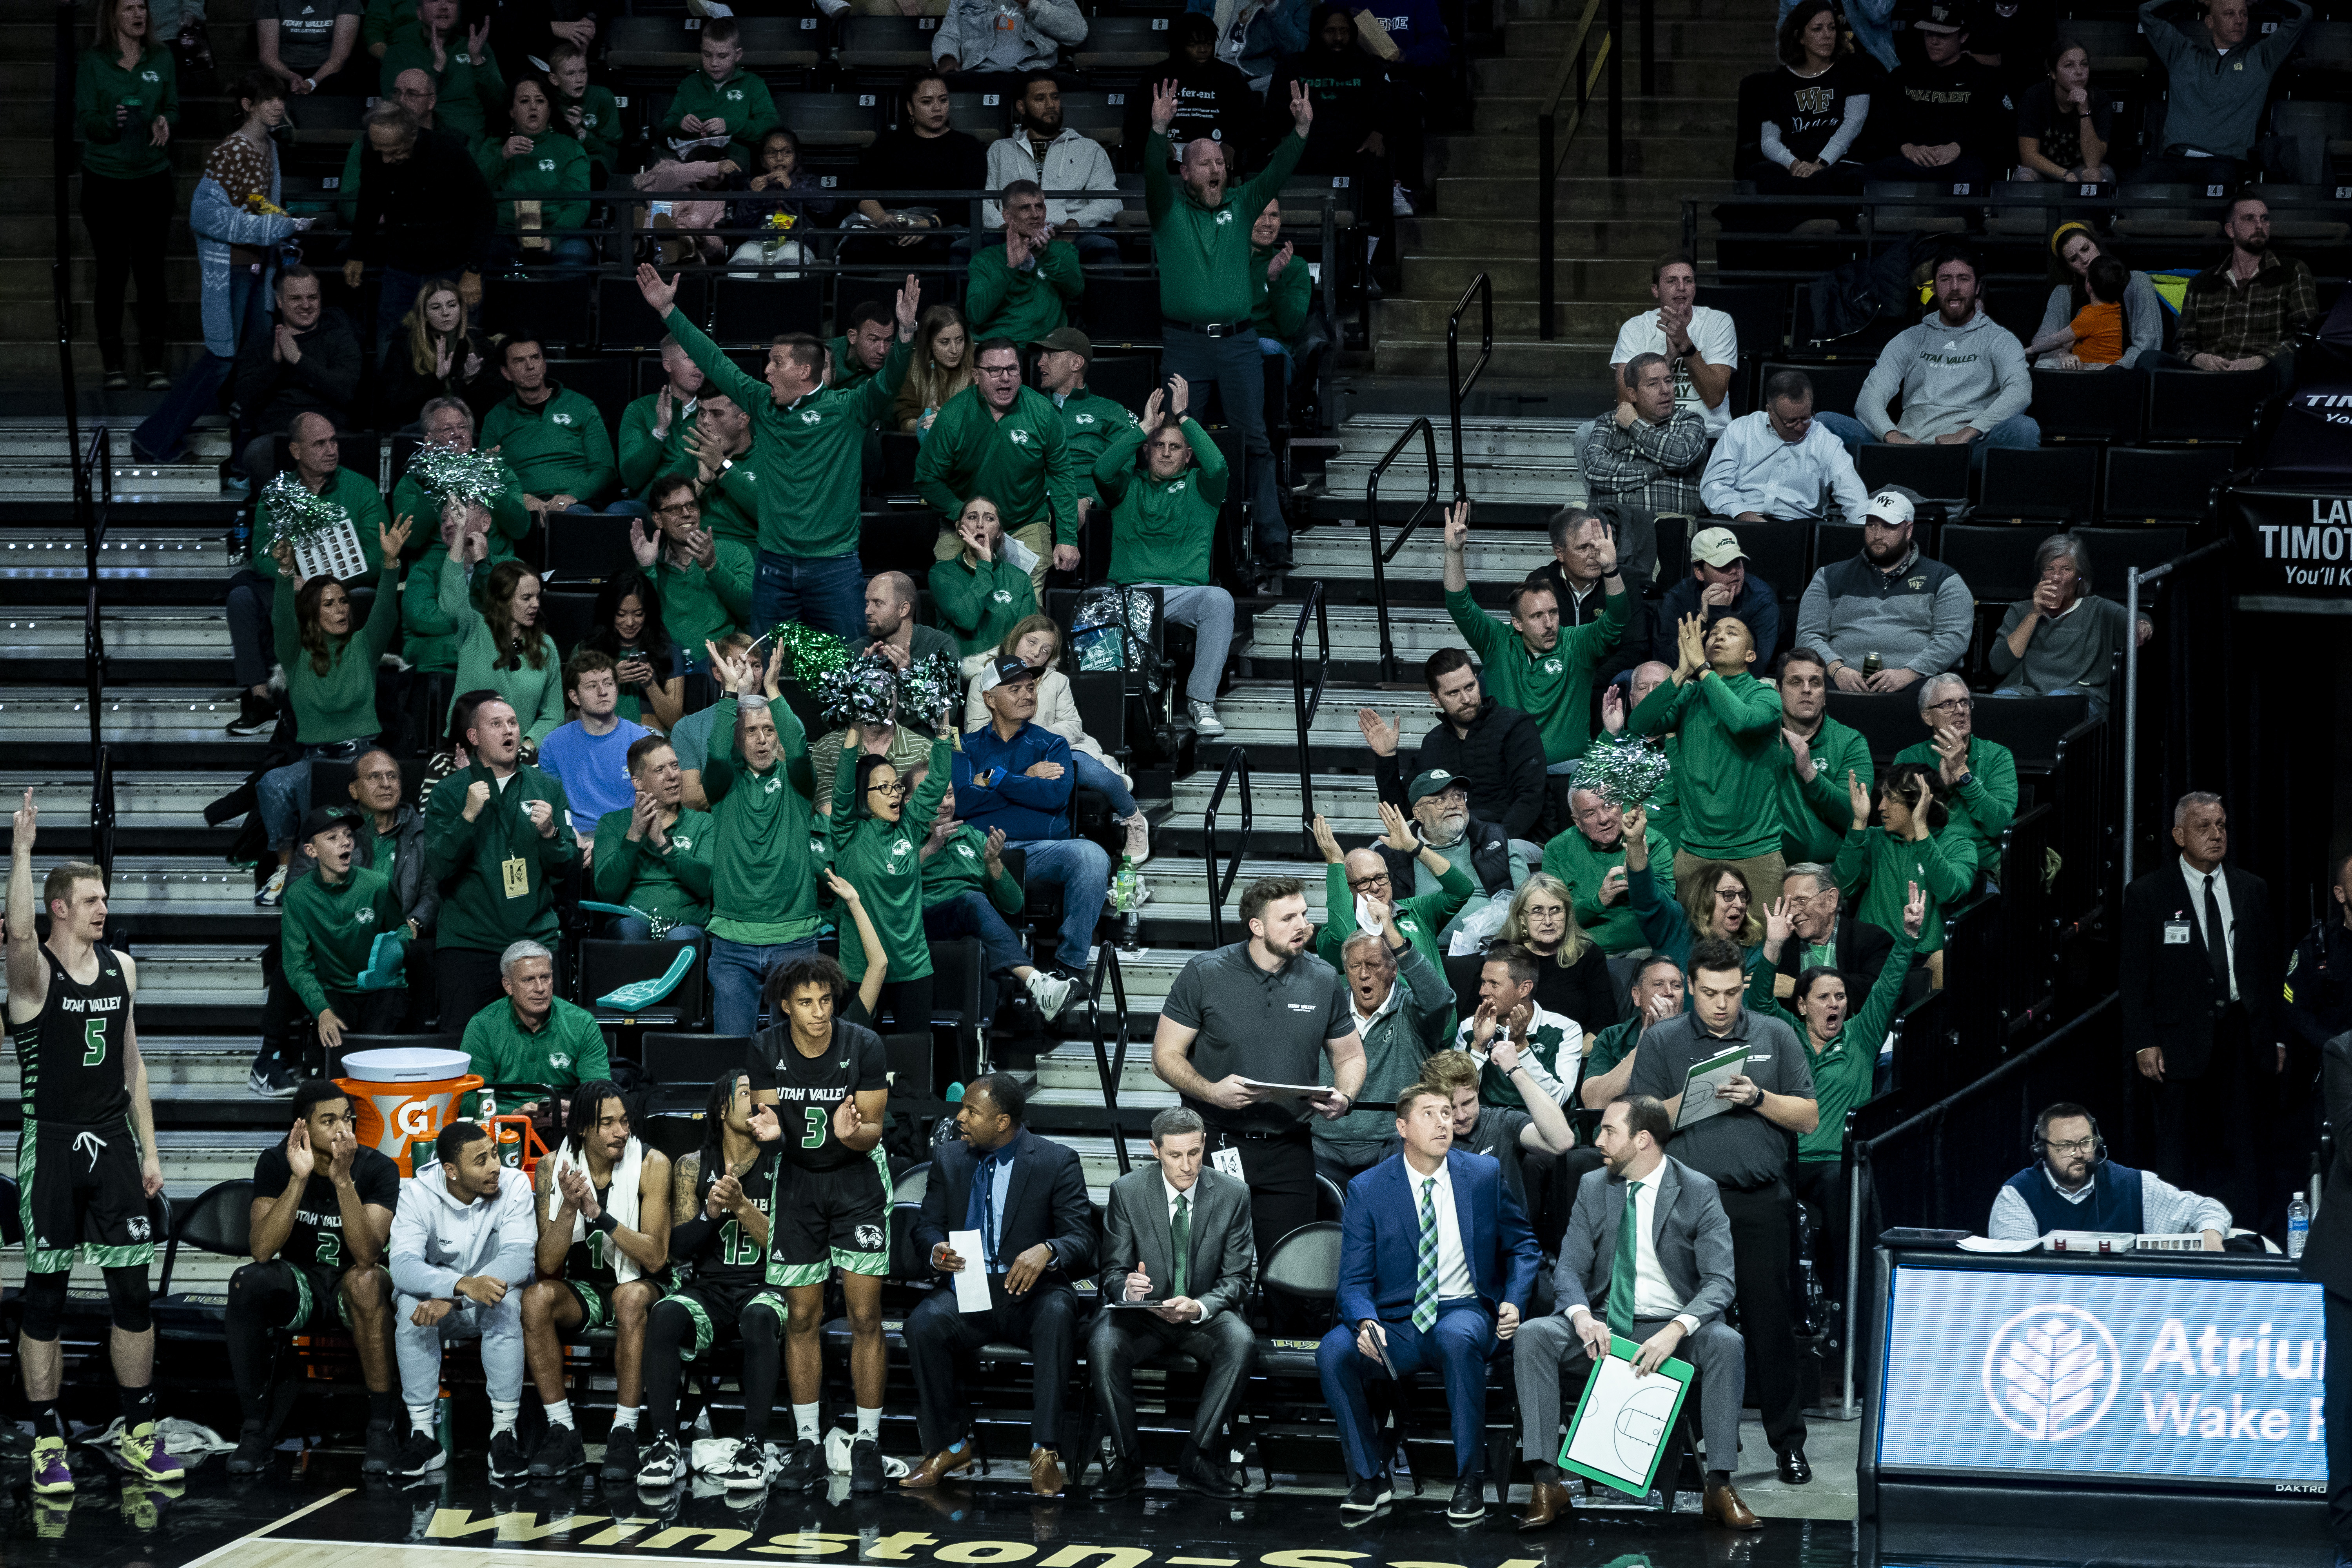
(946, 1462)
(1044, 1472)
(1723, 1507)
(1551, 1500)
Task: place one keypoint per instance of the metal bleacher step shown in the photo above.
(1339, 550)
(152, 642)
(147, 726)
(144, 802)
(207, 986)
(1178, 912)
(1263, 715)
(49, 564)
(1415, 631)
(1349, 801)
(178, 1066)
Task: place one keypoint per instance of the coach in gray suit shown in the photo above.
(1649, 1241)
(1198, 1286)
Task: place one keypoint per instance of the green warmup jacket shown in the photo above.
(126, 150)
(849, 372)
(559, 447)
(428, 641)
(556, 169)
(883, 860)
(328, 932)
(1875, 869)
(763, 879)
(1557, 688)
(1584, 866)
(1814, 817)
(730, 502)
(979, 606)
(1727, 776)
(1161, 531)
(959, 866)
(472, 92)
(1420, 917)
(642, 456)
(672, 883)
(385, 20)
(1025, 303)
(566, 1051)
(742, 100)
(1089, 423)
(1844, 1070)
(340, 704)
(699, 607)
(1204, 253)
(812, 453)
(1280, 313)
(535, 691)
(1982, 808)
(467, 860)
(1019, 461)
(361, 501)
(600, 122)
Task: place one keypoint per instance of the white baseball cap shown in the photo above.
(1891, 505)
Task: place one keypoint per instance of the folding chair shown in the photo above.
(831, 119)
(2023, 484)
(1936, 473)
(691, 1061)
(1835, 386)
(2115, 551)
(1122, 43)
(588, 547)
(2102, 406)
(1997, 563)
(885, 44)
(553, 310)
(2163, 484)
(2191, 407)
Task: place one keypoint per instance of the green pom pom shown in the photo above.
(930, 685)
(477, 479)
(810, 655)
(1623, 775)
(862, 691)
(295, 514)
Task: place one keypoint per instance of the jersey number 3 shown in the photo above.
(817, 1117)
(93, 1037)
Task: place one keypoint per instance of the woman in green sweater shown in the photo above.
(980, 596)
(1911, 846)
(874, 836)
(500, 647)
(1842, 1044)
(330, 667)
(126, 101)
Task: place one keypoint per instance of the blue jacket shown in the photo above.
(1757, 606)
(1027, 809)
(218, 222)
(1380, 1238)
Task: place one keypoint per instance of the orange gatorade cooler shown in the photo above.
(405, 1096)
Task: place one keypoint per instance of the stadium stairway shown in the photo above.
(1480, 214)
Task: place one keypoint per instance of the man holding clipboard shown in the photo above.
(1737, 1137)
(1649, 1239)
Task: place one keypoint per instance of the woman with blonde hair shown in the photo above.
(942, 368)
(1036, 641)
(436, 354)
(1572, 974)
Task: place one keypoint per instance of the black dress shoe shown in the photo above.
(1794, 1468)
(1121, 1477)
(1198, 1475)
(1365, 1499)
(1469, 1504)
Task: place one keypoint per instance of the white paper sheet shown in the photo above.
(972, 1280)
(1625, 1421)
(1987, 1244)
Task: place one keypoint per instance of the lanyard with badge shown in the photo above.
(514, 870)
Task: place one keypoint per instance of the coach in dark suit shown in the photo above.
(1666, 1292)
(1435, 1262)
(1027, 1198)
(1201, 1288)
(2327, 1258)
(2200, 975)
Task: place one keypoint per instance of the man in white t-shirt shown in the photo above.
(1703, 343)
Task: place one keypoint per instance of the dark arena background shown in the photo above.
(1258, 451)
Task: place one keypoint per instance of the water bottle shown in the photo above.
(489, 1107)
(1124, 899)
(2298, 1225)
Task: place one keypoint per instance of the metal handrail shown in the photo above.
(93, 483)
(2134, 580)
(1236, 762)
(102, 813)
(1110, 1062)
(1575, 70)
(1304, 708)
(1456, 386)
(1380, 558)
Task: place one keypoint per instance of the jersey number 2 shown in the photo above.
(817, 1117)
(93, 1035)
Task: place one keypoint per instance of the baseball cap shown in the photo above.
(1893, 506)
(1943, 17)
(320, 818)
(1007, 669)
(1067, 340)
(1718, 547)
(1431, 782)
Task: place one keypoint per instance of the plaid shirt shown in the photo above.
(1652, 466)
(2218, 315)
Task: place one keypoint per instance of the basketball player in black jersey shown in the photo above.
(720, 1198)
(828, 1083)
(86, 1161)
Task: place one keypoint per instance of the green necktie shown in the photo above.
(1180, 1242)
(1620, 1268)
(1424, 1285)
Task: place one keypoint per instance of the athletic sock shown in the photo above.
(48, 1421)
(804, 1423)
(383, 1408)
(426, 1418)
(503, 1413)
(559, 1413)
(138, 1407)
(869, 1423)
(625, 1416)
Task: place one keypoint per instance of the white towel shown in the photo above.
(621, 1199)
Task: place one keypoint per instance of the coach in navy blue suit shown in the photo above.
(1436, 1260)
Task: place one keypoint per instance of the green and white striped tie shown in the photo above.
(1424, 1285)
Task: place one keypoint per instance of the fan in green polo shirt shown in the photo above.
(704, 584)
(652, 426)
(857, 356)
(1728, 774)
(447, 422)
(1917, 843)
(714, 452)
(544, 168)
(552, 436)
(1975, 779)
(530, 1039)
(1813, 808)
(1022, 289)
(1589, 854)
(318, 464)
(655, 857)
(1531, 665)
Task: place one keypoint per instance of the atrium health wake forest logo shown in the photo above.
(2050, 1373)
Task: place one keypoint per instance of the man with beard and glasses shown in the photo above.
(1059, 158)
(2243, 311)
(1961, 375)
(2072, 1185)
(1496, 753)
(1445, 825)
(1890, 603)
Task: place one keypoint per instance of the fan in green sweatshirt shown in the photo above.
(327, 930)
(1280, 313)
(534, 689)
(1016, 458)
(643, 453)
(1984, 803)
(1555, 686)
(703, 603)
(146, 92)
(762, 878)
(671, 881)
(361, 501)
(599, 125)
(427, 639)
(883, 860)
(959, 866)
(467, 860)
(470, 91)
(1875, 869)
(812, 452)
(1161, 530)
(1023, 302)
(554, 172)
(1846, 1065)
(1090, 421)
(979, 604)
(337, 704)
(413, 500)
(1727, 772)
(1204, 253)
(518, 1063)
(1814, 812)
(743, 102)
(1584, 866)
(556, 447)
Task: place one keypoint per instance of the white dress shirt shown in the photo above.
(2195, 879)
(1654, 1296)
(1754, 471)
(1453, 1280)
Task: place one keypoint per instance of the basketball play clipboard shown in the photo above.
(1623, 1422)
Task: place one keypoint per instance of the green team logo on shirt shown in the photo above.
(559, 418)
(1225, 214)
(1552, 667)
(748, 477)
(734, 95)
(1082, 418)
(149, 76)
(1019, 437)
(773, 785)
(683, 843)
(558, 1059)
(547, 165)
(810, 415)
(363, 917)
(965, 850)
(1002, 596)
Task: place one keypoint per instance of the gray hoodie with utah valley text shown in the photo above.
(1973, 374)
